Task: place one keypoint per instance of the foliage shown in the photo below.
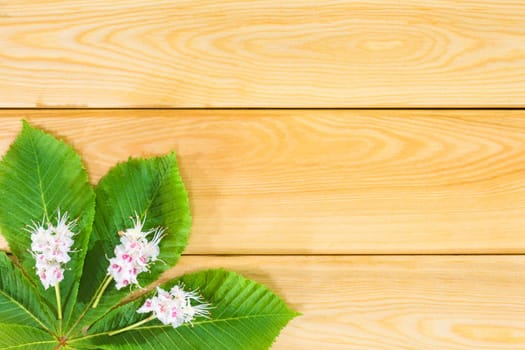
(39, 176)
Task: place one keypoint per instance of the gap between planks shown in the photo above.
(364, 108)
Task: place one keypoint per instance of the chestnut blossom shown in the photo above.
(134, 254)
(176, 307)
(51, 246)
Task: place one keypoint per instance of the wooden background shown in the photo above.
(398, 225)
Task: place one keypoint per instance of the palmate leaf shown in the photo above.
(19, 337)
(38, 176)
(245, 315)
(151, 188)
(19, 302)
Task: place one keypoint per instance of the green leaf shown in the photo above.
(246, 315)
(151, 188)
(25, 338)
(19, 302)
(39, 175)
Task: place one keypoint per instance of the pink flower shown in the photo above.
(134, 254)
(176, 307)
(51, 246)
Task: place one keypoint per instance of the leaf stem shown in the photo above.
(59, 307)
(107, 281)
(134, 325)
(59, 301)
(88, 306)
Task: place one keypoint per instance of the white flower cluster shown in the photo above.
(51, 246)
(134, 254)
(176, 307)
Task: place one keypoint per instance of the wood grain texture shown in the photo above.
(392, 303)
(323, 182)
(240, 53)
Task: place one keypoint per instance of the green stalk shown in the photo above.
(59, 307)
(59, 301)
(134, 325)
(102, 290)
(88, 306)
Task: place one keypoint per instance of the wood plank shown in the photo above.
(391, 303)
(241, 53)
(323, 181)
